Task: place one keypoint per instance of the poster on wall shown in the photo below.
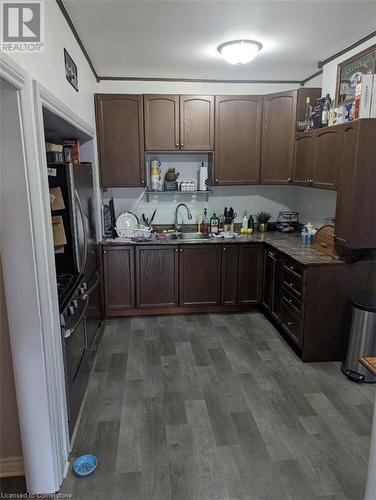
(70, 70)
(350, 70)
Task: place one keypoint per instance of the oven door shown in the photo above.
(77, 365)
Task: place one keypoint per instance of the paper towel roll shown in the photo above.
(203, 177)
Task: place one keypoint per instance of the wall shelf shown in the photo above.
(174, 193)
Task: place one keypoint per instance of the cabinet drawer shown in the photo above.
(292, 325)
(292, 302)
(293, 285)
(294, 270)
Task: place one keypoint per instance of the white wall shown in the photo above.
(48, 67)
(130, 87)
(315, 205)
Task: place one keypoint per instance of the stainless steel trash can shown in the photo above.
(362, 341)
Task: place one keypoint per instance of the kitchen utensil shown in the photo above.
(152, 217)
(145, 219)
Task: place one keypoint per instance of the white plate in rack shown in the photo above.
(126, 222)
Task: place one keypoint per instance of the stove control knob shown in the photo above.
(83, 288)
(71, 310)
(75, 303)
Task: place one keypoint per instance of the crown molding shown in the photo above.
(322, 63)
(77, 37)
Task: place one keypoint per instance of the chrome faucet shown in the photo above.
(177, 226)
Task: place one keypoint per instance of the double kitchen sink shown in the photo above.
(188, 236)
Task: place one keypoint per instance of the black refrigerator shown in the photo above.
(78, 278)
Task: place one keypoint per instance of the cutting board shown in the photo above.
(324, 241)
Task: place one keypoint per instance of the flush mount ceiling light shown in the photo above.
(239, 51)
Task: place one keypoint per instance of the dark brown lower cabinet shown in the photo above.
(271, 294)
(314, 309)
(250, 273)
(200, 275)
(119, 281)
(230, 264)
(157, 276)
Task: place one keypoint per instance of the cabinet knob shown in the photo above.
(176, 250)
(290, 323)
(217, 180)
(224, 249)
(177, 144)
(181, 250)
(142, 181)
(182, 144)
(104, 251)
(307, 180)
(289, 179)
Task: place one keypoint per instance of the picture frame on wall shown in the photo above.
(71, 73)
(349, 71)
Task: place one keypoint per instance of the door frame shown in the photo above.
(40, 383)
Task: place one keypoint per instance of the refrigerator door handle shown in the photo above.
(84, 257)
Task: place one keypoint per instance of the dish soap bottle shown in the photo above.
(245, 222)
(214, 222)
(205, 222)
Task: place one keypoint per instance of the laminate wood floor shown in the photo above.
(216, 407)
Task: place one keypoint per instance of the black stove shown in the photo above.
(66, 285)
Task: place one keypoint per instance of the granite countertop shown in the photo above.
(289, 244)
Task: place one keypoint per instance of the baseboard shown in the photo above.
(12, 466)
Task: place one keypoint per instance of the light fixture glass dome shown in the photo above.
(239, 51)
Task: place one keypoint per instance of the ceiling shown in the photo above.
(178, 38)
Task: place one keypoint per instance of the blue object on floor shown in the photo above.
(85, 465)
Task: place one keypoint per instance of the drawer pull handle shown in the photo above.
(290, 323)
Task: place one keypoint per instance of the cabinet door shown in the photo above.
(328, 150)
(237, 139)
(200, 275)
(250, 273)
(304, 159)
(119, 284)
(157, 276)
(230, 266)
(196, 122)
(161, 122)
(120, 140)
(278, 137)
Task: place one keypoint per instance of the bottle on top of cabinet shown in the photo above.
(214, 223)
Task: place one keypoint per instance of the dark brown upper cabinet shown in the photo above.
(237, 139)
(200, 275)
(161, 122)
(175, 122)
(196, 122)
(317, 155)
(278, 137)
(281, 112)
(119, 280)
(355, 226)
(304, 158)
(157, 276)
(328, 146)
(120, 133)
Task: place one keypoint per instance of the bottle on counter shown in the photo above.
(245, 221)
(205, 222)
(251, 223)
(214, 223)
